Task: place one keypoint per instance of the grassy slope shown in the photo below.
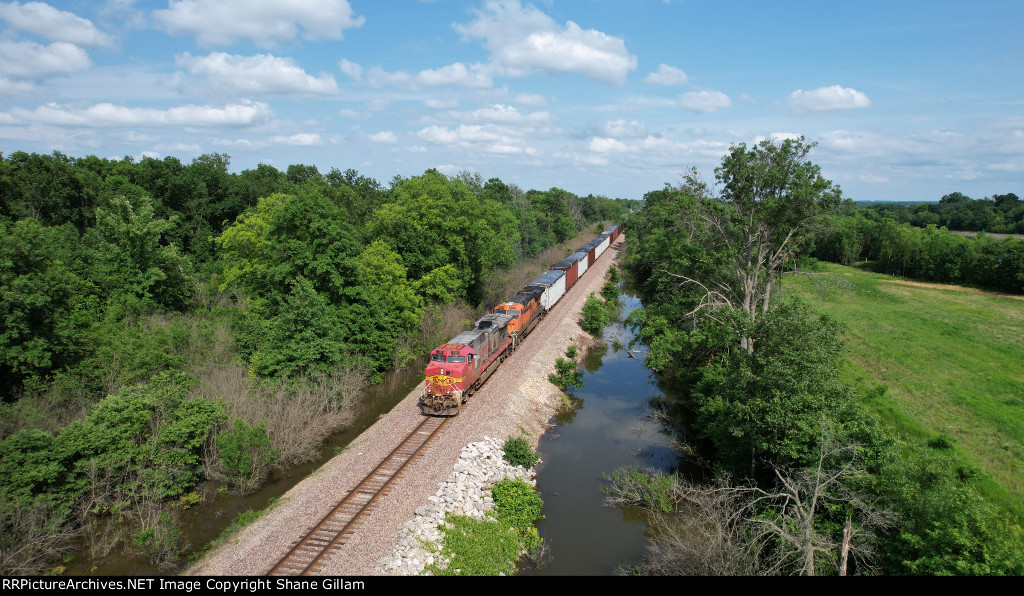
(952, 358)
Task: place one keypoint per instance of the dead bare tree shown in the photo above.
(771, 201)
(726, 529)
(798, 500)
(33, 538)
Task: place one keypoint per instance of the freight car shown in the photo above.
(459, 367)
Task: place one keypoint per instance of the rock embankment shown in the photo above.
(465, 492)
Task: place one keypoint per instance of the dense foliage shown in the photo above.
(493, 545)
(123, 280)
(764, 399)
(518, 452)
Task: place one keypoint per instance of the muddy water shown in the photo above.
(608, 431)
(203, 524)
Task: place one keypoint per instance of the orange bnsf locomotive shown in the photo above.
(459, 367)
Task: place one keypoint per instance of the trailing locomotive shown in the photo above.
(459, 367)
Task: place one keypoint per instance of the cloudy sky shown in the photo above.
(907, 99)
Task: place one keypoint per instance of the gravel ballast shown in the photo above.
(517, 399)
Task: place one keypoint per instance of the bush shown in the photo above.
(595, 316)
(567, 374)
(518, 452)
(517, 503)
(491, 546)
(245, 454)
(610, 291)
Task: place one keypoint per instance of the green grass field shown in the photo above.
(951, 357)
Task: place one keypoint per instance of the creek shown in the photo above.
(610, 429)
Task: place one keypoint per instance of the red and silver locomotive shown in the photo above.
(459, 367)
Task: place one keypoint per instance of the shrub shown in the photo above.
(245, 454)
(517, 503)
(610, 291)
(567, 374)
(518, 452)
(595, 316)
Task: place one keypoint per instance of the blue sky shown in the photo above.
(907, 100)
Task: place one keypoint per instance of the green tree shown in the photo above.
(772, 404)
(130, 245)
(44, 301)
(433, 221)
(772, 201)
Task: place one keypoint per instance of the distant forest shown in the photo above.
(914, 240)
(1000, 214)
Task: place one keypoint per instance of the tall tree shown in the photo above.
(771, 202)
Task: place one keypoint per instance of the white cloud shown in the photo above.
(302, 139)
(351, 69)
(264, 22)
(262, 73)
(354, 115)
(58, 25)
(106, 114)
(438, 103)
(486, 138)
(605, 145)
(827, 99)
(455, 74)
(29, 60)
(378, 77)
(9, 87)
(171, 148)
(531, 99)
(386, 137)
(667, 75)
(474, 76)
(379, 104)
(620, 129)
(523, 40)
(778, 136)
(503, 114)
(704, 102)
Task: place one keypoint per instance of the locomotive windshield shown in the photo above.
(437, 357)
(456, 359)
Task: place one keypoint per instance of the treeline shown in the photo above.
(802, 477)
(162, 322)
(929, 253)
(1000, 214)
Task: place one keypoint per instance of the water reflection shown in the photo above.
(612, 428)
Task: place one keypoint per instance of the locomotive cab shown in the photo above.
(449, 366)
(448, 375)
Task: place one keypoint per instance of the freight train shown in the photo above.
(459, 367)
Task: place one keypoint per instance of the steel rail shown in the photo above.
(308, 551)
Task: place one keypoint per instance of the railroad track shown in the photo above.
(306, 554)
